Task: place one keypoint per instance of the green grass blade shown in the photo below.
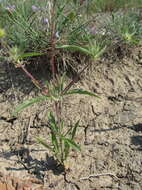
(30, 54)
(74, 130)
(81, 91)
(55, 143)
(27, 103)
(41, 141)
(75, 48)
(66, 150)
(68, 131)
(52, 122)
(72, 144)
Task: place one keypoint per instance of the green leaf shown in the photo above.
(30, 54)
(55, 143)
(72, 144)
(69, 131)
(80, 91)
(27, 103)
(52, 122)
(66, 150)
(75, 48)
(74, 130)
(61, 82)
(98, 53)
(41, 141)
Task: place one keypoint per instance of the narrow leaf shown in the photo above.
(55, 143)
(52, 122)
(74, 130)
(80, 91)
(27, 103)
(66, 150)
(30, 54)
(72, 144)
(75, 48)
(41, 141)
(69, 131)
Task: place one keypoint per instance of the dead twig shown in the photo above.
(98, 175)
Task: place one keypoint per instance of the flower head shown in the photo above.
(35, 8)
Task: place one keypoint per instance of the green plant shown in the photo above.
(51, 27)
(21, 23)
(61, 141)
(127, 26)
(61, 136)
(112, 5)
(66, 32)
(28, 24)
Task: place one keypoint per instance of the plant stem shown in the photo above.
(53, 68)
(53, 39)
(36, 82)
(75, 79)
(58, 108)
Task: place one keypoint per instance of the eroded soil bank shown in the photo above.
(110, 132)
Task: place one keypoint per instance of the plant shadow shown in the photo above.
(137, 141)
(136, 127)
(33, 165)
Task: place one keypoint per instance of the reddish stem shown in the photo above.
(36, 82)
(76, 79)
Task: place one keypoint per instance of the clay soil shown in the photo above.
(110, 132)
